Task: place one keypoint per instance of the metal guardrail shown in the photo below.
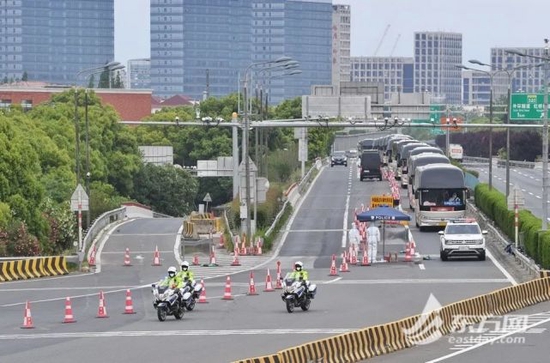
(527, 262)
(304, 183)
(500, 162)
(99, 224)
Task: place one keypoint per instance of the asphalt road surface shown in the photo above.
(247, 326)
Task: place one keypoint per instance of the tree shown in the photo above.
(25, 76)
(167, 189)
(104, 79)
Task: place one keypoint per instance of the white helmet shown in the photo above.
(172, 271)
(298, 265)
(185, 266)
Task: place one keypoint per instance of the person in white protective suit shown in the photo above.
(354, 238)
(373, 237)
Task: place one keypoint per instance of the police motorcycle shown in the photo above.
(167, 301)
(190, 293)
(296, 293)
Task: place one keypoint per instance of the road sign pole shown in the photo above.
(516, 219)
(79, 222)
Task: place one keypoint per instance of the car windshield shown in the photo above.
(462, 229)
(338, 154)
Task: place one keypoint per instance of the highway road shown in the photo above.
(223, 331)
(529, 181)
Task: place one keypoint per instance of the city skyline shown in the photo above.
(484, 25)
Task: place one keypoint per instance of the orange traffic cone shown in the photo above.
(333, 271)
(129, 308)
(69, 318)
(202, 296)
(213, 258)
(156, 257)
(27, 318)
(365, 259)
(236, 258)
(268, 283)
(353, 258)
(102, 311)
(344, 266)
(227, 292)
(196, 260)
(252, 286)
(127, 258)
(279, 282)
(222, 242)
(91, 260)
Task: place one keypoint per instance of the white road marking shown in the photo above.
(346, 211)
(331, 281)
(502, 269)
(489, 341)
(421, 266)
(420, 281)
(165, 333)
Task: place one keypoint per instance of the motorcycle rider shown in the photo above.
(186, 275)
(299, 273)
(172, 280)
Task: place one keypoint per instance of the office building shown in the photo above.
(476, 88)
(53, 40)
(203, 47)
(341, 43)
(139, 73)
(395, 73)
(436, 55)
(528, 80)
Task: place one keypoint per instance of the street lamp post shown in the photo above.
(491, 75)
(546, 60)
(509, 72)
(89, 72)
(246, 130)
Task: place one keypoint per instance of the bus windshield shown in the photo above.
(442, 197)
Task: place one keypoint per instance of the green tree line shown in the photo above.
(38, 163)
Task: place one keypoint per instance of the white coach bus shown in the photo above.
(440, 195)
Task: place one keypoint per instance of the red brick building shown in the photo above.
(131, 104)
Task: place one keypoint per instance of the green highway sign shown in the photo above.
(526, 106)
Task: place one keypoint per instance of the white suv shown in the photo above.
(462, 238)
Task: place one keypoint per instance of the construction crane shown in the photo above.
(381, 40)
(395, 44)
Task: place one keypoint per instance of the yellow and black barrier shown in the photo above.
(383, 339)
(265, 359)
(35, 267)
(188, 229)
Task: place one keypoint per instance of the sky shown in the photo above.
(483, 24)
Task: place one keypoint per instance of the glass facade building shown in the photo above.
(396, 73)
(52, 40)
(203, 47)
(138, 71)
(436, 55)
(528, 80)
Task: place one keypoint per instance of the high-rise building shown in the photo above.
(53, 40)
(341, 44)
(530, 79)
(139, 73)
(396, 73)
(436, 55)
(203, 47)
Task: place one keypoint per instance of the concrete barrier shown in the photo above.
(386, 338)
(34, 267)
